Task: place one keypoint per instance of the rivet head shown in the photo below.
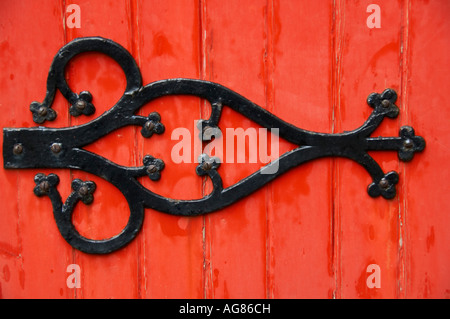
(18, 149)
(81, 105)
(44, 186)
(408, 144)
(383, 183)
(385, 103)
(56, 147)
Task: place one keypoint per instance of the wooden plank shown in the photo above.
(233, 55)
(427, 253)
(114, 275)
(33, 255)
(299, 85)
(171, 248)
(367, 233)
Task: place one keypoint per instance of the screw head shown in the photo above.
(44, 186)
(206, 166)
(385, 103)
(56, 147)
(81, 105)
(42, 111)
(149, 125)
(384, 183)
(152, 169)
(18, 149)
(83, 190)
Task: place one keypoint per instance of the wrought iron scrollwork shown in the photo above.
(42, 147)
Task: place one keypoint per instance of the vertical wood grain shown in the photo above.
(427, 176)
(300, 221)
(235, 240)
(33, 256)
(367, 231)
(403, 202)
(113, 275)
(171, 254)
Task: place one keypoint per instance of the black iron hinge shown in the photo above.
(42, 147)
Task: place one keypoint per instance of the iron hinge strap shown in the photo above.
(42, 147)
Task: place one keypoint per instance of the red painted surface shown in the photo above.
(311, 233)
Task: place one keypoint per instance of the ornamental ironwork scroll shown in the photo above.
(42, 147)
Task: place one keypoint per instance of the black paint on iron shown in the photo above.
(41, 147)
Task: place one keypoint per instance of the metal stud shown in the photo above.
(44, 186)
(384, 183)
(18, 149)
(408, 144)
(42, 111)
(152, 169)
(207, 166)
(385, 103)
(81, 105)
(83, 191)
(149, 125)
(56, 148)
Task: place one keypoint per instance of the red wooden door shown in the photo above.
(311, 233)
